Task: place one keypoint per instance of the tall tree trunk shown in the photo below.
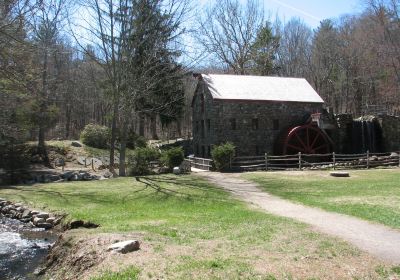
(122, 151)
(41, 139)
(141, 124)
(67, 121)
(153, 125)
(179, 128)
(43, 107)
(113, 136)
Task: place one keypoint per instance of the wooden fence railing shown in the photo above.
(316, 161)
(305, 161)
(200, 163)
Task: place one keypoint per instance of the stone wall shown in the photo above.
(273, 118)
(35, 218)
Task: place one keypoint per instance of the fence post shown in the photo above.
(266, 162)
(85, 162)
(367, 159)
(334, 160)
(299, 160)
(93, 165)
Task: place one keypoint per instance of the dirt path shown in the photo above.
(376, 239)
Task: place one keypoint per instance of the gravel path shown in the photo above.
(378, 240)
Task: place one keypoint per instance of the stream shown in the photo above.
(22, 248)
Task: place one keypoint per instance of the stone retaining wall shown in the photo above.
(20, 212)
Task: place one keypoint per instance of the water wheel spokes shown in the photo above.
(308, 139)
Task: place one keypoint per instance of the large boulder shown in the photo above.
(26, 214)
(42, 215)
(37, 221)
(125, 246)
(44, 225)
(339, 174)
(176, 170)
(76, 144)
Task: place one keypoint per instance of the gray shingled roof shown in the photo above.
(234, 87)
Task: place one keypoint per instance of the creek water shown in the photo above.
(22, 249)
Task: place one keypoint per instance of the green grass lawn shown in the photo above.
(368, 194)
(190, 229)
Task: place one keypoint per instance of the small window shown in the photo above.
(196, 128)
(203, 152)
(202, 128)
(208, 125)
(254, 124)
(233, 123)
(275, 124)
(202, 103)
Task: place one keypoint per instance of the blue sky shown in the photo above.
(312, 11)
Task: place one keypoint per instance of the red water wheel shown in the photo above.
(307, 139)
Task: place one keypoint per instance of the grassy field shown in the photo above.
(368, 194)
(188, 229)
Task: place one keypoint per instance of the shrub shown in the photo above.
(14, 157)
(96, 136)
(172, 157)
(140, 142)
(222, 156)
(139, 162)
(135, 141)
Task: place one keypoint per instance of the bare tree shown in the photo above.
(294, 49)
(228, 30)
(131, 39)
(386, 13)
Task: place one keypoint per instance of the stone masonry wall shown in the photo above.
(248, 139)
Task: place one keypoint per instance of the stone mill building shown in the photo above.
(255, 113)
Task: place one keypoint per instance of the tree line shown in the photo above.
(352, 62)
(125, 63)
(127, 66)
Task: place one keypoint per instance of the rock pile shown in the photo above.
(25, 215)
(62, 177)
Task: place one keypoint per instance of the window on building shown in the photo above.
(275, 124)
(254, 124)
(208, 125)
(203, 151)
(202, 128)
(233, 123)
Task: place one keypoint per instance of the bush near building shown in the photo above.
(222, 156)
(172, 157)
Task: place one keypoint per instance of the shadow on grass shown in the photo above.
(65, 197)
(168, 186)
(185, 185)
